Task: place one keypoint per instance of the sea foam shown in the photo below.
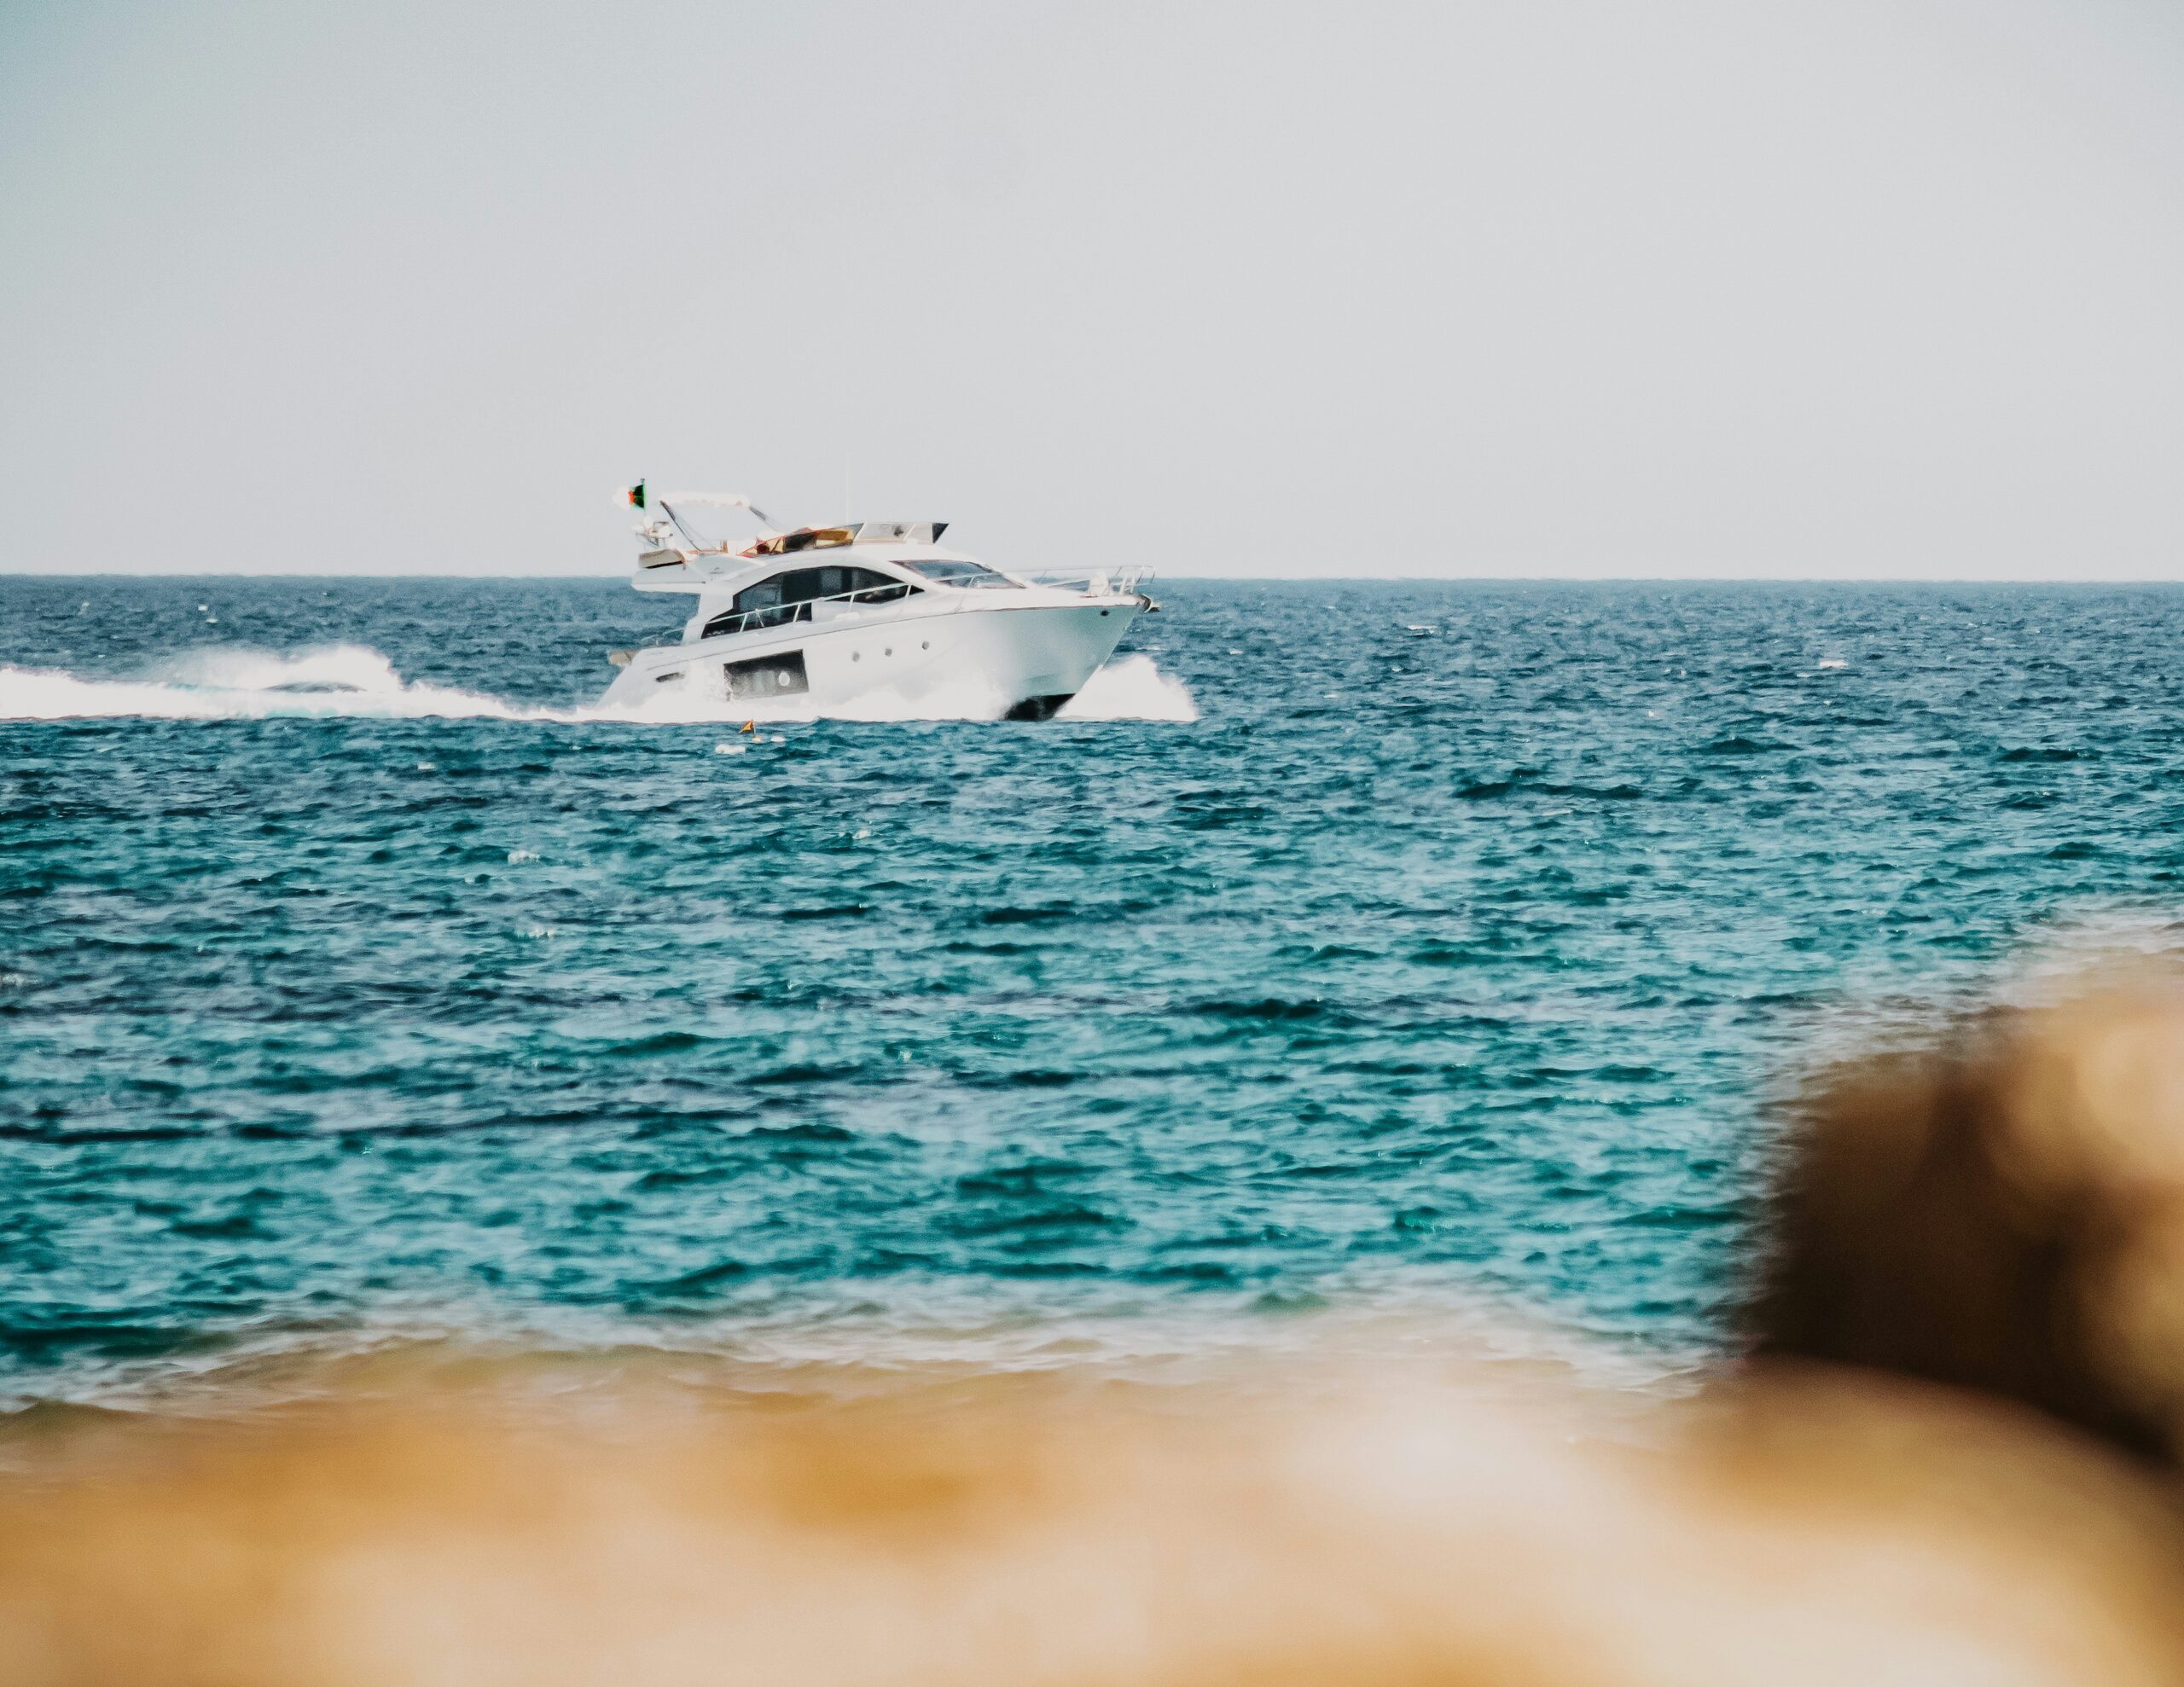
(1131, 689)
(232, 684)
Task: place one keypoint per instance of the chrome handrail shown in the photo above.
(788, 614)
(1093, 582)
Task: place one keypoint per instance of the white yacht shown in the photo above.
(819, 619)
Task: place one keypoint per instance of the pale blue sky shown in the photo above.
(1709, 286)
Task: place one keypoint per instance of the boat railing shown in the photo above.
(787, 614)
(1092, 581)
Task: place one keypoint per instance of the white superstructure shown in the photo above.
(820, 617)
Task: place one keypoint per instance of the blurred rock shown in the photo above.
(2002, 1211)
(1376, 1528)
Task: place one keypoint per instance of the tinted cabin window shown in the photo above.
(868, 585)
(956, 572)
(789, 597)
(858, 585)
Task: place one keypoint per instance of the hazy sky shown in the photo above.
(1711, 286)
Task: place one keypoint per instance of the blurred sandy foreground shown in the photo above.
(1948, 1461)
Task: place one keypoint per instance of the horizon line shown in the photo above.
(1239, 579)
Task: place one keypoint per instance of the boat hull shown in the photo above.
(1018, 661)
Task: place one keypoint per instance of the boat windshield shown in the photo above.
(947, 571)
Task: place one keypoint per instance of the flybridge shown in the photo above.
(849, 533)
(673, 550)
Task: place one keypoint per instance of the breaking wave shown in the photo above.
(352, 681)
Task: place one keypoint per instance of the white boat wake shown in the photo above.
(1130, 689)
(355, 681)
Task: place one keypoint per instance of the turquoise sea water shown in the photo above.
(355, 978)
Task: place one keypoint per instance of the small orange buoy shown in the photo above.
(750, 726)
